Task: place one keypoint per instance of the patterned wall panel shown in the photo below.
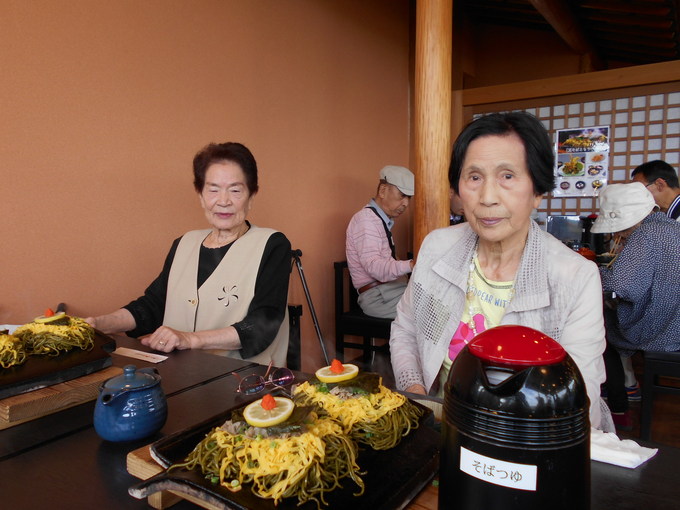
(642, 128)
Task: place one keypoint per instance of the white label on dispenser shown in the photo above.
(499, 472)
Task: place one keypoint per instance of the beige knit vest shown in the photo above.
(225, 296)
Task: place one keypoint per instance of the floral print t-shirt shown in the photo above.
(485, 305)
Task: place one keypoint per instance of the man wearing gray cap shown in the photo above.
(371, 256)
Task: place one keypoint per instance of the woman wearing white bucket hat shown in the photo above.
(622, 207)
(644, 278)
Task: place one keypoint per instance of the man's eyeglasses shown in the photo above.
(256, 383)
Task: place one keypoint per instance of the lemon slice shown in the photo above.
(57, 317)
(257, 416)
(325, 374)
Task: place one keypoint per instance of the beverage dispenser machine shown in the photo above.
(515, 426)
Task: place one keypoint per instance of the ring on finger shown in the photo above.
(161, 343)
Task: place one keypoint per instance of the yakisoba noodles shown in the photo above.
(304, 457)
(368, 411)
(12, 351)
(54, 338)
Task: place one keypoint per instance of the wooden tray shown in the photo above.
(393, 477)
(43, 371)
(34, 404)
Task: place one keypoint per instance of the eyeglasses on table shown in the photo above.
(255, 383)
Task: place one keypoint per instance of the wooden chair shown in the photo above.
(656, 365)
(351, 321)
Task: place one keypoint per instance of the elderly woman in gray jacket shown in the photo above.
(499, 267)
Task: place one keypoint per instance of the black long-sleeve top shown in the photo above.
(267, 309)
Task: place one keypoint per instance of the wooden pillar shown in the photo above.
(432, 131)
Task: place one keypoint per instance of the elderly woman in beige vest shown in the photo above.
(225, 288)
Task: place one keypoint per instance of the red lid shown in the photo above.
(516, 345)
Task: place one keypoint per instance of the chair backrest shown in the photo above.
(351, 321)
(344, 287)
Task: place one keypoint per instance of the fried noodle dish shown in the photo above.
(573, 166)
(304, 456)
(12, 350)
(368, 411)
(53, 336)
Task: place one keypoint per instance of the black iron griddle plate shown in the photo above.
(41, 371)
(393, 477)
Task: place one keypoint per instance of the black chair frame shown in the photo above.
(656, 365)
(352, 321)
(293, 357)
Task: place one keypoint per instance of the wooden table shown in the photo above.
(60, 462)
(653, 484)
(77, 469)
(182, 371)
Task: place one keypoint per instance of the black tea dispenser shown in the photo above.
(516, 429)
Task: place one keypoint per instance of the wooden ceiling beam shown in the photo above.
(629, 8)
(664, 72)
(640, 39)
(587, 26)
(624, 23)
(562, 19)
(641, 51)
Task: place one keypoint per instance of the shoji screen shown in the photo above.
(643, 126)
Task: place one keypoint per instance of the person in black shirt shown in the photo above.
(224, 288)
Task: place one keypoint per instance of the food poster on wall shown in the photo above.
(582, 161)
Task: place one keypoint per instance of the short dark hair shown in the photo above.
(657, 169)
(538, 149)
(221, 152)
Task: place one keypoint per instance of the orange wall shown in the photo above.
(105, 103)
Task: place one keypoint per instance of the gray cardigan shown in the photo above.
(557, 291)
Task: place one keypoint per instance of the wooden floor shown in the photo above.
(665, 418)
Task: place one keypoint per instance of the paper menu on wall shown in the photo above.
(581, 161)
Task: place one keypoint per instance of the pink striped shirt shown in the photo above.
(369, 257)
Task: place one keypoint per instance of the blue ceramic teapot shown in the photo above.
(130, 406)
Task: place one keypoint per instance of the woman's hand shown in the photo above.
(166, 339)
(116, 322)
(416, 388)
